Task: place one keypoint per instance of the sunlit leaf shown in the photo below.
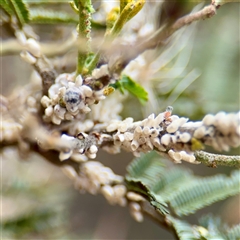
(126, 83)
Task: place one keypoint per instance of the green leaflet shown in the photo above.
(137, 186)
(128, 10)
(76, 3)
(175, 177)
(146, 168)
(126, 83)
(233, 233)
(217, 227)
(142, 172)
(185, 231)
(20, 9)
(6, 7)
(177, 187)
(211, 229)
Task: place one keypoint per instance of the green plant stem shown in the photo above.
(123, 18)
(93, 62)
(84, 29)
(130, 9)
(213, 160)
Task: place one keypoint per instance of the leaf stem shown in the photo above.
(129, 10)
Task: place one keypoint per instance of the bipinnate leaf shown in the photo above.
(177, 187)
(216, 227)
(201, 192)
(185, 231)
(233, 233)
(20, 9)
(141, 175)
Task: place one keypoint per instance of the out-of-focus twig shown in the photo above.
(12, 46)
(213, 160)
(51, 156)
(219, 3)
(161, 36)
(47, 72)
(38, 140)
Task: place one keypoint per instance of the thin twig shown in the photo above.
(161, 36)
(161, 220)
(213, 160)
(47, 72)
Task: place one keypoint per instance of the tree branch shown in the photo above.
(213, 160)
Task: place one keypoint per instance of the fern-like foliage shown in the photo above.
(233, 233)
(146, 168)
(170, 181)
(211, 229)
(6, 7)
(185, 193)
(201, 192)
(46, 16)
(142, 173)
(177, 187)
(16, 8)
(217, 227)
(185, 231)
